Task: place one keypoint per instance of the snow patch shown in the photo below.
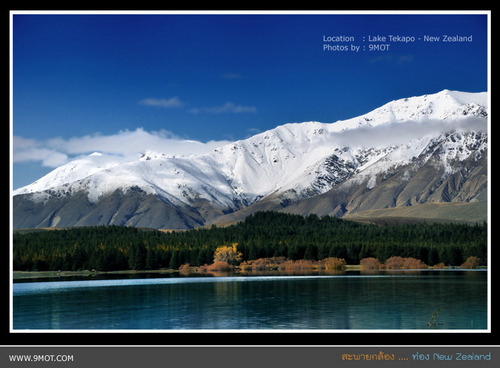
(300, 159)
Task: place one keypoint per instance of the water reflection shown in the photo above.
(381, 300)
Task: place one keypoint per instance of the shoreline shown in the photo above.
(24, 275)
(21, 275)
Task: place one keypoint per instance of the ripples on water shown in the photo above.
(387, 300)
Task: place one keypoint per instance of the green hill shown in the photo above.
(458, 212)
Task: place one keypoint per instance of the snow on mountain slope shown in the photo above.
(73, 171)
(293, 161)
(443, 106)
(309, 157)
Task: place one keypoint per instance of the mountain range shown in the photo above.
(411, 152)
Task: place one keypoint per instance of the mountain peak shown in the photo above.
(439, 106)
(291, 162)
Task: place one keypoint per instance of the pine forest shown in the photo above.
(263, 235)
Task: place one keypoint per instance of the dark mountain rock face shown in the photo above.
(134, 208)
(427, 179)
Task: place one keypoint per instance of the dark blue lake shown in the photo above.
(385, 300)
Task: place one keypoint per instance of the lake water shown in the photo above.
(351, 301)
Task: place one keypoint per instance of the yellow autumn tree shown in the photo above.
(471, 263)
(228, 254)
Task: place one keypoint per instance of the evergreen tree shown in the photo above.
(174, 260)
(152, 262)
(310, 252)
(261, 235)
(137, 257)
(205, 256)
(433, 257)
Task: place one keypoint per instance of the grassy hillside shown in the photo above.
(459, 212)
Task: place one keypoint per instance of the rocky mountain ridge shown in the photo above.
(416, 150)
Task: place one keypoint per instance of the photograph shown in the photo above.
(250, 172)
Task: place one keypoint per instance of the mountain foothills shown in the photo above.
(427, 153)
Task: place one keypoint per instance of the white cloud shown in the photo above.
(401, 59)
(175, 102)
(252, 131)
(58, 151)
(228, 107)
(401, 132)
(32, 150)
(162, 102)
(405, 59)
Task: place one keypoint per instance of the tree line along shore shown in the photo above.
(265, 240)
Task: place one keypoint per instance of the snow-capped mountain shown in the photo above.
(290, 167)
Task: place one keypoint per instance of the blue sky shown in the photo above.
(88, 82)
